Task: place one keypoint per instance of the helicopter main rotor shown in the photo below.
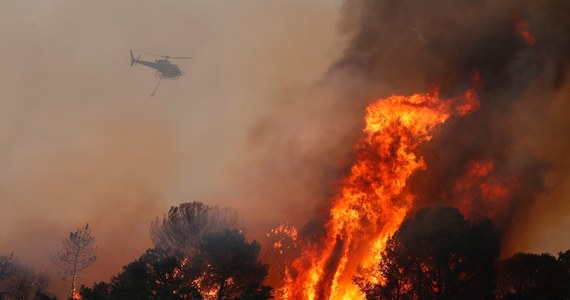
(163, 56)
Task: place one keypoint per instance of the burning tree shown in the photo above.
(78, 254)
(157, 274)
(373, 200)
(281, 250)
(438, 254)
(184, 226)
(492, 163)
(228, 266)
(198, 254)
(225, 266)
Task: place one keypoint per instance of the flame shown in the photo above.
(279, 233)
(372, 200)
(284, 250)
(522, 30)
(479, 183)
(75, 295)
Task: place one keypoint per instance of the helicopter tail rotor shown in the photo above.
(133, 60)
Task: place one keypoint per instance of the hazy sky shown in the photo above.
(82, 141)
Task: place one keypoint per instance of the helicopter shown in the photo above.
(164, 68)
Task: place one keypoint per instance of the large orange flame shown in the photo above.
(372, 200)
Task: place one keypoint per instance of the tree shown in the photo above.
(225, 266)
(99, 291)
(78, 254)
(19, 281)
(26, 283)
(228, 266)
(564, 259)
(533, 276)
(437, 254)
(184, 226)
(196, 256)
(7, 262)
(280, 249)
(157, 274)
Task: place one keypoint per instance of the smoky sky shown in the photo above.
(81, 140)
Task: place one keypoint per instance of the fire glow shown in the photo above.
(478, 182)
(372, 201)
(522, 29)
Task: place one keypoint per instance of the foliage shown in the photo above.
(7, 264)
(229, 265)
(564, 259)
(224, 267)
(437, 254)
(184, 226)
(534, 276)
(100, 290)
(19, 281)
(157, 274)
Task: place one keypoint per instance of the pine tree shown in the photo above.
(78, 254)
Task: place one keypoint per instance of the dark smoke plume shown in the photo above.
(520, 51)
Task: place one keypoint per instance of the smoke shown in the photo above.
(81, 140)
(405, 47)
(510, 52)
(518, 50)
(111, 177)
(539, 228)
(514, 52)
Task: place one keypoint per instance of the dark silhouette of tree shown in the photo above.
(183, 227)
(533, 276)
(157, 274)
(78, 254)
(26, 283)
(19, 281)
(44, 296)
(224, 267)
(7, 262)
(228, 265)
(564, 259)
(100, 291)
(438, 254)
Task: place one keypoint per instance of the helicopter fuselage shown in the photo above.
(165, 68)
